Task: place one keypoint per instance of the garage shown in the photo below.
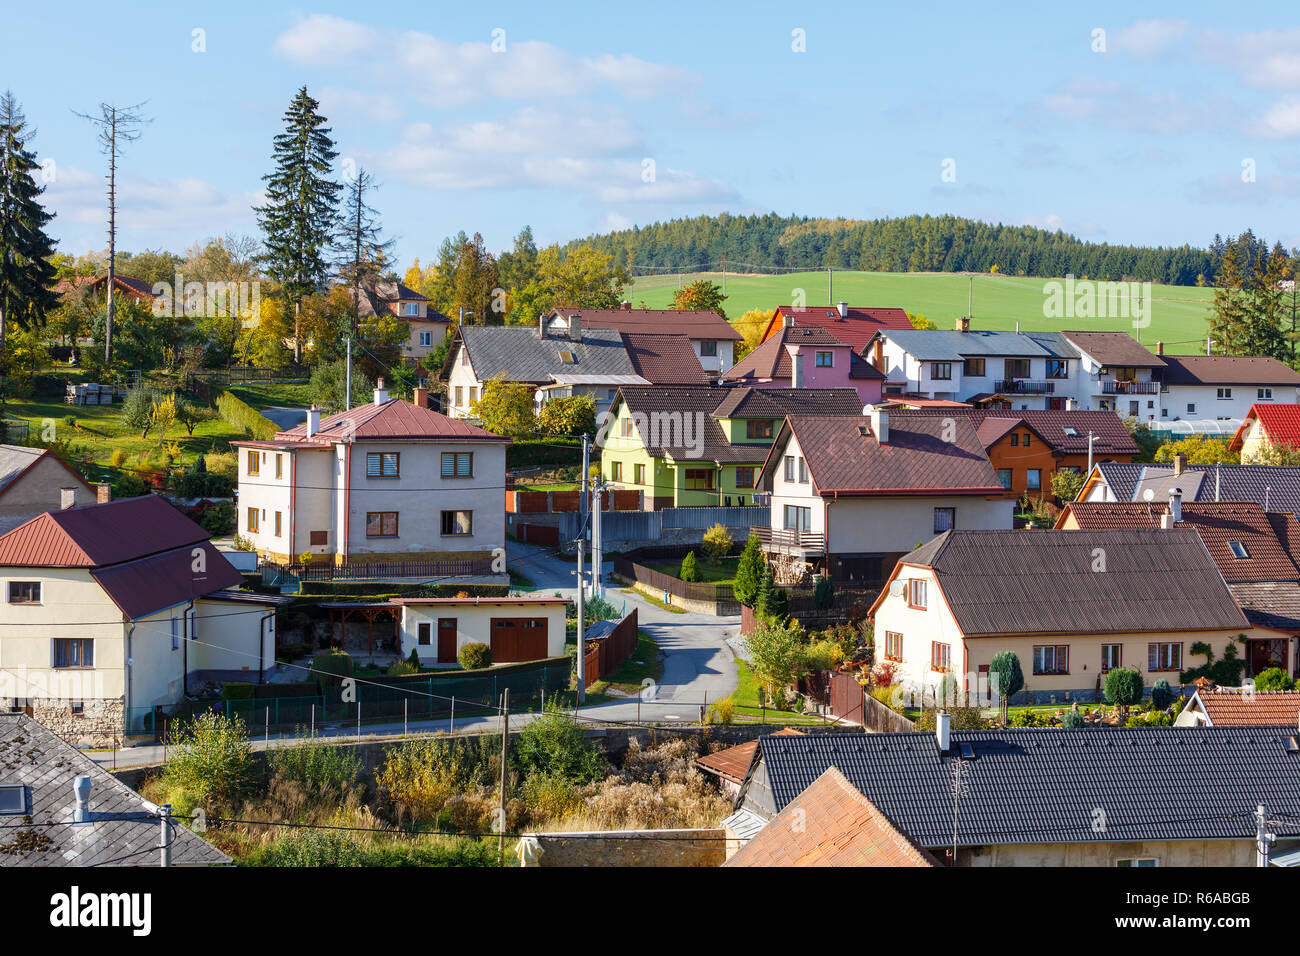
(518, 639)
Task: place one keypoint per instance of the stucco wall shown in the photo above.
(698, 847)
(473, 625)
(40, 490)
(1167, 853)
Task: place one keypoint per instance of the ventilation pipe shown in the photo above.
(313, 420)
(81, 799)
(943, 731)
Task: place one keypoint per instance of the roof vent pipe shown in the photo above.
(1176, 505)
(81, 798)
(843, 308)
(313, 420)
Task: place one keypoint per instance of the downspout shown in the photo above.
(185, 650)
(126, 716)
(826, 533)
(261, 643)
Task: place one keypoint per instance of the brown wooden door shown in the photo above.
(446, 640)
(518, 639)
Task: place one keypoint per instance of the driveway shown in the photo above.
(286, 418)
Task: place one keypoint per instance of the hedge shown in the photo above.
(548, 452)
(239, 414)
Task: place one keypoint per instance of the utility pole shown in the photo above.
(724, 273)
(597, 558)
(582, 496)
(347, 379)
(1208, 342)
(970, 298)
(505, 748)
(1262, 837)
(830, 285)
(582, 649)
(165, 832)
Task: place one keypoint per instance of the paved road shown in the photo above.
(286, 418)
(699, 667)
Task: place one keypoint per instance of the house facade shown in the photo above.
(806, 357)
(711, 336)
(428, 327)
(389, 479)
(854, 326)
(35, 480)
(1267, 430)
(1223, 387)
(516, 628)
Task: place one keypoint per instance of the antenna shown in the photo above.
(960, 784)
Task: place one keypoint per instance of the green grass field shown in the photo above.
(1178, 314)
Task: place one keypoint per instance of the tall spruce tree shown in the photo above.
(26, 273)
(364, 250)
(300, 218)
(1230, 318)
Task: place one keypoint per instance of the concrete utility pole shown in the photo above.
(165, 832)
(582, 496)
(505, 749)
(1262, 837)
(724, 273)
(597, 558)
(1090, 440)
(1208, 342)
(830, 284)
(582, 649)
(347, 384)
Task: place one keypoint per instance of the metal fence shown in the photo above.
(650, 525)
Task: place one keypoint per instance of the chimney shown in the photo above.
(625, 306)
(943, 731)
(381, 393)
(963, 323)
(1176, 505)
(1180, 464)
(103, 493)
(1166, 522)
(81, 799)
(796, 362)
(843, 308)
(313, 420)
(67, 498)
(1071, 404)
(420, 397)
(880, 423)
(541, 326)
(787, 320)
(1160, 348)
(575, 327)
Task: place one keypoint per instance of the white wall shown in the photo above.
(268, 494)
(229, 636)
(462, 376)
(473, 625)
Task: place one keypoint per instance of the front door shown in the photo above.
(446, 640)
(1266, 654)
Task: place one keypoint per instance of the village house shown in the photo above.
(1223, 387)
(1240, 707)
(850, 494)
(565, 361)
(113, 609)
(711, 336)
(702, 445)
(516, 628)
(1117, 374)
(1071, 605)
(428, 327)
(1272, 487)
(35, 480)
(386, 480)
(854, 326)
(1266, 431)
(806, 357)
(1095, 796)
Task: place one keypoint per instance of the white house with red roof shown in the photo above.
(386, 480)
(113, 609)
(1264, 429)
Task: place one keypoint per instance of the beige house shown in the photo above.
(389, 479)
(428, 326)
(35, 480)
(516, 628)
(114, 609)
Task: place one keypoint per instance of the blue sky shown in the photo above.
(1145, 142)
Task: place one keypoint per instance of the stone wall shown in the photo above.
(699, 847)
(99, 725)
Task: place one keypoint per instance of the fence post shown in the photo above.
(405, 700)
(313, 716)
(429, 686)
(453, 714)
(266, 730)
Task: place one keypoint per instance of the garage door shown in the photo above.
(518, 639)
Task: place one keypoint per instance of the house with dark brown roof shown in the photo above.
(113, 609)
(1240, 707)
(711, 336)
(702, 445)
(807, 356)
(428, 326)
(1224, 387)
(388, 481)
(1070, 604)
(851, 493)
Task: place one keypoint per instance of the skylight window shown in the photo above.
(568, 358)
(1238, 549)
(1070, 431)
(13, 799)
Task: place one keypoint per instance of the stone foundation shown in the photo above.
(100, 724)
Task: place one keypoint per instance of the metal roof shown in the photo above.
(929, 345)
(394, 420)
(100, 534)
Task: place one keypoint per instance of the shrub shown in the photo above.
(402, 668)
(219, 520)
(318, 849)
(211, 759)
(824, 655)
(475, 656)
(777, 651)
(599, 609)
(138, 410)
(324, 769)
(1005, 677)
(420, 774)
(1274, 678)
(237, 690)
(568, 417)
(749, 571)
(1123, 688)
(717, 542)
(689, 571)
(414, 658)
(1071, 720)
(554, 744)
(332, 666)
(823, 592)
(244, 417)
(1029, 718)
(118, 458)
(549, 797)
(722, 711)
(1161, 695)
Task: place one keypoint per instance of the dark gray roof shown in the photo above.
(519, 354)
(1051, 582)
(124, 830)
(1093, 785)
(1274, 604)
(1273, 487)
(14, 460)
(930, 345)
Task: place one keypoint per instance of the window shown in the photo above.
(381, 524)
(426, 338)
(708, 347)
(176, 633)
(279, 466)
(457, 522)
(918, 593)
(411, 308)
(797, 519)
(758, 428)
(458, 464)
(1138, 861)
(1070, 431)
(944, 519)
(615, 471)
(1004, 478)
(789, 467)
(1024, 440)
(74, 652)
(699, 479)
(1015, 439)
(1165, 657)
(941, 371)
(252, 520)
(1238, 549)
(1052, 659)
(1191, 408)
(1112, 655)
(1057, 368)
(803, 471)
(825, 359)
(319, 539)
(638, 474)
(24, 592)
(893, 646)
(253, 462)
(940, 656)
(1264, 394)
(460, 396)
(13, 800)
(973, 367)
(425, 637)
(277, 524)
(1223, 394)
(625, 427)
(1033, 479)
(745, 477)
(382, 464)
(1017, 368)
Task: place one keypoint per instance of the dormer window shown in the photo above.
(410, 308)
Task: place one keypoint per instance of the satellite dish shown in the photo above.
(896, 589)
(1148, 495)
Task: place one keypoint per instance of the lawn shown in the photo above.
(711, 572)
(1178, 317)
(273, 394)
(646, 662)
(746, 699)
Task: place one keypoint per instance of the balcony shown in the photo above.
(1023, 386)
(1111, 386)
(790, 542)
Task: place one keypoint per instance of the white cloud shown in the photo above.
(1282, 120)
(359, 106)
(322, 40)
(1148, 38)
(1269, 58)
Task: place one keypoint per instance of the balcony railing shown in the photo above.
(1111, 386)
(1023, 386)
(790, 542)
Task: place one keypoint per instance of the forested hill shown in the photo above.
(772, 243)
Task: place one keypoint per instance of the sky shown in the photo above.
(1122, 123)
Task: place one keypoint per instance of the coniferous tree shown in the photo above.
(299, 220)
(26, 273)
(1230, 319)
(364, 250)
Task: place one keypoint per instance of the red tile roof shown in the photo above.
(692, 323)
(664, 359)
(855, 329)
(1232, 708)
(771, 360)
(1110, 437)
(395, 420)
(831, 824)
(733, 763)
(97, 535)
(1281, 424)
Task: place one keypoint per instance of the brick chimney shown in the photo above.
(541, 326)
(963, 323)
(1160, 348)
(103, 493)
(420, 397)
(575, 327)
(625, 306)
(1180, 464)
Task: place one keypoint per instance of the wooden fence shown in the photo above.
(850, 701)
(628, 567)
(609, 649)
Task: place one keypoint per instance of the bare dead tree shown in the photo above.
(117, 126)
